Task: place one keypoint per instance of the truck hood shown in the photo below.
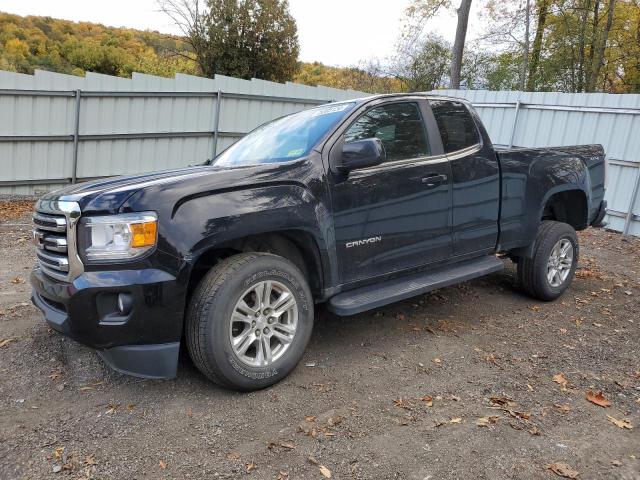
(110, 194)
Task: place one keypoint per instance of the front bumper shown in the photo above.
(143, 342)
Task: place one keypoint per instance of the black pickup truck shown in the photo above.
(357, 204)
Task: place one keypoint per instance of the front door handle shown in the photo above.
(434, 180)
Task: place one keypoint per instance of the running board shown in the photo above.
(377, 295)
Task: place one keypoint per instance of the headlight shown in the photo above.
(118, 237)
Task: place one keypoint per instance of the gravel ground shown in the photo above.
(460, 383)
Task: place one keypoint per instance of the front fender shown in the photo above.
(205, 222)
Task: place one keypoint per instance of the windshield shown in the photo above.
(284, 139)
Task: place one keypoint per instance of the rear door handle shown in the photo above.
(434, 180)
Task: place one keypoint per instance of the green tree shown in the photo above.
(239, 38)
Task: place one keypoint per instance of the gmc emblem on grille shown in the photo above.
(366, 241)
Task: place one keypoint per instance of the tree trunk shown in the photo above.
(594, 41)
(543, 10)
(598, 58)
(458, 44)
(581, 46)
(525, 55)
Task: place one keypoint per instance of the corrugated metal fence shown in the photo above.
(528, 119)
(56, 129)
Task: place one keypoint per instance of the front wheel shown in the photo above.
(555, 258)
(249, 321)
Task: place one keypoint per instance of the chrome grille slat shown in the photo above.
(50, 222)
(58, 262)
(55, 238)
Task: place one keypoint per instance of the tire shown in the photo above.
(210, 331)
(533, 273)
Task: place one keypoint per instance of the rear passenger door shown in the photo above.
(475, 174)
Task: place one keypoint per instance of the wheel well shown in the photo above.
(299, 247)
(569, 207)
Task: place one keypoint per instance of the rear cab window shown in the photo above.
(457, 127)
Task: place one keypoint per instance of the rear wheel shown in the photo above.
(555, 258)
(249, 321)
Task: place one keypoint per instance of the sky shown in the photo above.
(334, 32)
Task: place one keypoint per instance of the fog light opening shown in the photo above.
(125, 303)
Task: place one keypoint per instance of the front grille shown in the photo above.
(54, 238)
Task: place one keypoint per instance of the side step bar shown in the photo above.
(374, 296)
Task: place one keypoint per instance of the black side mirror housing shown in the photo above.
(361, 154)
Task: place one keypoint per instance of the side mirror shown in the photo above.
(362, 153)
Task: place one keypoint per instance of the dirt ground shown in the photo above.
(461, 383)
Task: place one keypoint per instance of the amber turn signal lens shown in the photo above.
(144, 234)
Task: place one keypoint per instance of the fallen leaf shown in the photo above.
(401, 404)
(563, 470)
(57, 453)
(486, 421)
(620, 423)
(189, 412)
(163, 464)
(598, 399)
(456, 420)
(249, 467)
(86, 389)
(326, 473)
(16, 280)
(310, 418)
(502, 401)
(562, 408)
(616, 463)
(89, 460)
(437, 360)
(6, 341)
(560, 379)
(335, 420)
(313, 460)
(282, 475)
(287, 445)
(233, 455)
(112, 408)
(428, 400)
(514, 414)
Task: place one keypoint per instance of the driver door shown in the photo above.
(397, 215)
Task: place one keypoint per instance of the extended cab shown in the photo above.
(357, 204)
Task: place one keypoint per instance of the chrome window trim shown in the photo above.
(464, 152)
(72, 212)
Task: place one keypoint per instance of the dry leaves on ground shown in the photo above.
(428, 400)
(233, 455)
(14, 210)
(562, 408)
(163, 464)
(563, 470)
(285, 445)
(6, 341)
(487, 421)
(560, 379)
(620, 423)
(326, 473)
(598, 399)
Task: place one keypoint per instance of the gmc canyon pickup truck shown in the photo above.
(356, 204)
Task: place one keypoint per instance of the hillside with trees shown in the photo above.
(535, 45)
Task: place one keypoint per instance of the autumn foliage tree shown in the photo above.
(239, 38)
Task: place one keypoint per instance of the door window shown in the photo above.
(399, 127)
(457, 128)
